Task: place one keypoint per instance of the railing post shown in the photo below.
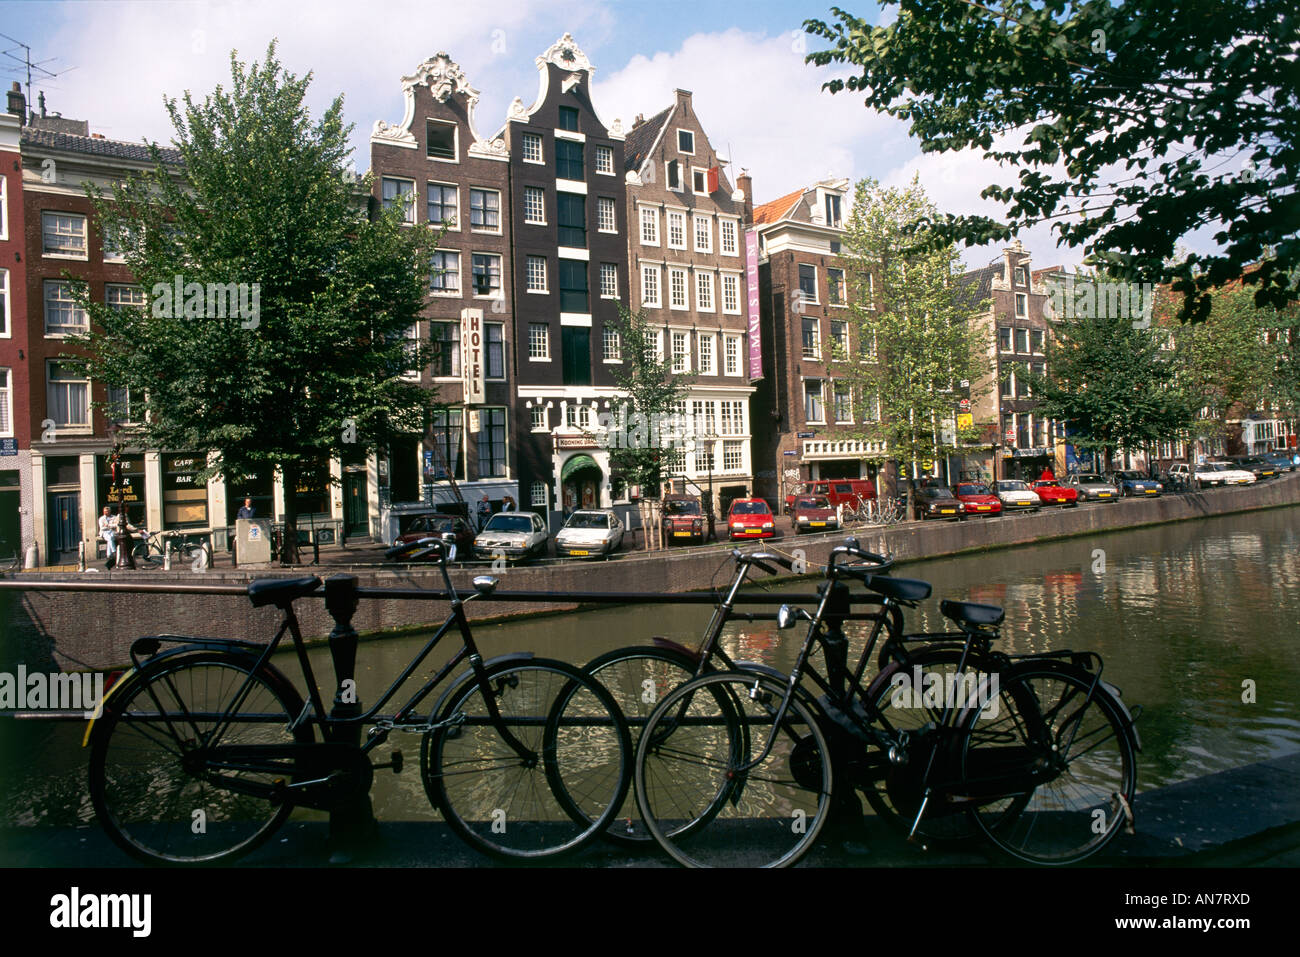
(352, 823)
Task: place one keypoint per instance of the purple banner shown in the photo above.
(755, 339)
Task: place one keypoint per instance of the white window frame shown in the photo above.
(448, 293)
(682, 357)
(115, 254)
(50, 381)
(542, 354)
(6, 327)
(541, 148)
(412, 335)
(649, 226)
(539, 500)
(704, 300)
(705, 345)
(455, 141)
(844, 287)
(707, 221)
(539, 192)
(109, 287)
(454, 225)
(1022, 305)
(1020, 275)
(675, 272)
(705, 174)
(836, 391)
(655, 301)
(835, 344)
(486, 230)
(821, 386)
(725, 248)
(606, 224)
(816, 299)
(408, 215)
(501, 267)
(6, 403)
(608, 270)
(610, 337)
(538, 411)
(731, 280)
(4, 208)
(606, 152)
(85, 239)
(679, 217)
(691, 134)
(45, 305)
(735, 450)
(529, 286)
(729, 340)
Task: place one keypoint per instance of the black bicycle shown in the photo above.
(205, 747)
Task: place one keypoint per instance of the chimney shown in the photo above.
(17, 102)
(640, 118)
(746, 183)
(684, 100)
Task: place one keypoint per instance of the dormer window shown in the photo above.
(685, 142)
(569, 119)
(832, 210)
(441, 142)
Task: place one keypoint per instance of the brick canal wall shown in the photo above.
(52, 630)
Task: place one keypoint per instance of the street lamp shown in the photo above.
(123, 538)
(712, 441)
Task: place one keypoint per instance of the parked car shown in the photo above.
(978, 499)
(1130, 482)
(448, 528)
(589, 531)
(1260, 466)
(936, 501)
(837, 491)
(1053, 492)
(1229, 474)
(1016, 496)
(750, 518)
(813, 512)
(516, 535)
(1283, 459)
(683, 519)
(1092, 487)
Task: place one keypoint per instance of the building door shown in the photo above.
(11, 544)
(356, 513)
(65, 526)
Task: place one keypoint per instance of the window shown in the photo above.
(1021, 275)
(445, 278)
(4, 300)
(449, 440)
(486, 271)
(1022, 306)
(62, 315)
(867, 345)
(573, 286)
(700, 181)
(649, 226)
(703, 234)
(677, 289)
(568, 119)
(492, 443)
(840, 336)
(808, 283)
(444, 349)
(835, 286)
(685, 141)
(4, 210)
(832, 210)
(613, 344)
(571, 217)
(731, 354)
(727, 230)
(568, 160)
(537, 274)
(6, 405)
(539, 340)
(704, 458)
(681, 353)
(485, 210)
(400, 193)
(730, 293)
(674, 175)
(443, 204)
(843, 404)
(111, 243)
(534, 205)
(532, 148)
(440, 140)
(1022, 340)
(1004, 338)
(538, 496)
(67, 397)
(124, 297)
(1036, 341)
(496, 351)
(605, 160)
(733, 417)
(704, 291)
(812, 339)
(539, 417)
(1008, 383)
(704, 345)
(813, 409)
(676, 230)
(608, 281)
(606, 215)
(575, 342)
(871, 409)
(733, 457)
(63, 234)
(650, 286)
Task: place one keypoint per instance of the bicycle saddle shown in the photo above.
(899, 589)
(280, 591)
(970, 613)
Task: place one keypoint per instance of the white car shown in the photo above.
(1229, 474)
(589, 531)
(515, 535)
(1016, 496)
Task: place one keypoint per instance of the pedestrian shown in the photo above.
(484, 511)
(247, 510)
(507, 504)
(108, 532)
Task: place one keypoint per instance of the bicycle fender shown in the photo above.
(670, 645)
(1128, 715)
(99, 709)
(468, 675)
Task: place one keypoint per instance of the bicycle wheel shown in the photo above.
(506, 804)
(693, 796)
(1066, 757)
(159, 794)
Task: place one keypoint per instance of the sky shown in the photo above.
(761, 105)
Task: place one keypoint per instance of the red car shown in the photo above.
(978, 499)
(683, 519)
(813, 513)
(750, 518)
(1053, 492)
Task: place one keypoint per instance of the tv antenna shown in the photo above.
(28, 65)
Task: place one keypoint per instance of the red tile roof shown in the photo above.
(771, 212)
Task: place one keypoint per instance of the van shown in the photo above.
(838, 491)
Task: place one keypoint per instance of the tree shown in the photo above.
(646, 422)
(912, 320)
(1133, 123)
(1112, 385)
(274, 331)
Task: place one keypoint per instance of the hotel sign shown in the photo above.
(472, 359)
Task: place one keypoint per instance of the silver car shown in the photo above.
(1092, 487)
(589, 531)
(514, 535)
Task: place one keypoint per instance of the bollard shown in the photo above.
(354, 822)
(81, 556)
(33, 557)
(167, 555)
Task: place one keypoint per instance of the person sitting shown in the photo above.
(108, 532)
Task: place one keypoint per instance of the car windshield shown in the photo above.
(1130, 476)
(1012, 486)
(1046, 483)
(587, 520)
(1089, 477)
(502, 522)
(681, 507)
(938, 493)
(972, 490)
(815, 501)
(750, 508)
(1219, 467)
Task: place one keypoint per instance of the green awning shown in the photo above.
(576, 464)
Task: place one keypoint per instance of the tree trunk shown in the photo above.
(289, 544)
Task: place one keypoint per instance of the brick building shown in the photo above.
(15, 416)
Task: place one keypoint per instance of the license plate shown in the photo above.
(948, 511)
(578, 551)
(1151, 491)
(817, 524)
(982, 508)
(1103, 494)
(681, 534)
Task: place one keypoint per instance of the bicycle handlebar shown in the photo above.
(761, 559)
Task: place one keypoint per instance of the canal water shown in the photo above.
(1198, 622)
